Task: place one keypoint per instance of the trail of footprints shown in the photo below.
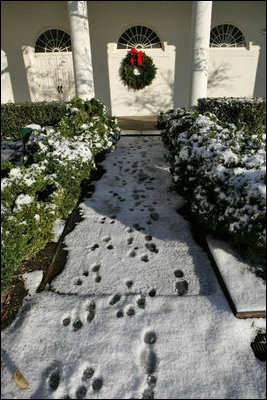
(132, 252)
(124, 308)
(148, 361)
(148, 357)
(149, 246)
(129, 309)
(87, 378)
(181, 286)
(94, 271)
(76, 321)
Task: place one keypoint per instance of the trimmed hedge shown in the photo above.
(27, 221)
(48, 186)
(14, 116)
(245, 113)
(221, 171)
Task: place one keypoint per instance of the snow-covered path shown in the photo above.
(137, 311)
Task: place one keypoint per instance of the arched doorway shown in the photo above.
(54, 77)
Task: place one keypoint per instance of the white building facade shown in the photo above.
(55, 50)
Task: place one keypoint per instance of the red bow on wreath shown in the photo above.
(139, 56)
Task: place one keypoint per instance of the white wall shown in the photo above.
(232, 71)
(151, 99)
(250, 18)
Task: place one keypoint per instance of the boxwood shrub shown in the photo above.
(47, 186)
(6, 166)
(245, 113)
(14, 116)
(30, 202)
(221, 171)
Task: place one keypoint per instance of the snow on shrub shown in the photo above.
(69, 160)
(89, 116)
(14, 116)
(30, 205)
(220, 169)
(49, 184)
(245, 112)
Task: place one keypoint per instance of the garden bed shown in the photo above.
(14, 299)
(48, 184)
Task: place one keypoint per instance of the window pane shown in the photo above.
(226, 35)
(53, 40)
(140, 36)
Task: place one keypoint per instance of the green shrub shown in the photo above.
(88, 114)
(68, 160)
(6, 165)
(248, 114)
(49, 184)
(221, 171)
(30, 202)
(14, 116)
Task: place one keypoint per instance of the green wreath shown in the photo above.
(137, 76)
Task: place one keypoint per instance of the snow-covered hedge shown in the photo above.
(14, 116)
(48, 185)
(89, 116)
(220, 169)
(27, 221)
(244, 112)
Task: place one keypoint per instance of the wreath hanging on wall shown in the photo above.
(137, 70)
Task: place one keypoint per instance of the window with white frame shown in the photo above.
(139, 37)
(226, 35)
(53, 40)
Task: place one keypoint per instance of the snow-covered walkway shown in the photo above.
(137, 311)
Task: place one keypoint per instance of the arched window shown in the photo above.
(226, 35)
(139, 37)
(53, 40)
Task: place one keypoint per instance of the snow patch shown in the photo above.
(247, 291)
(58, 229)
(32, 281)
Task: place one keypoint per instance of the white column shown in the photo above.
(81, 49)
(201, 23)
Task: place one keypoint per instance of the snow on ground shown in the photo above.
(247, 291)
(110, 335)
(32, 281)
(201, 349)
(133, 194)
(58, 228)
